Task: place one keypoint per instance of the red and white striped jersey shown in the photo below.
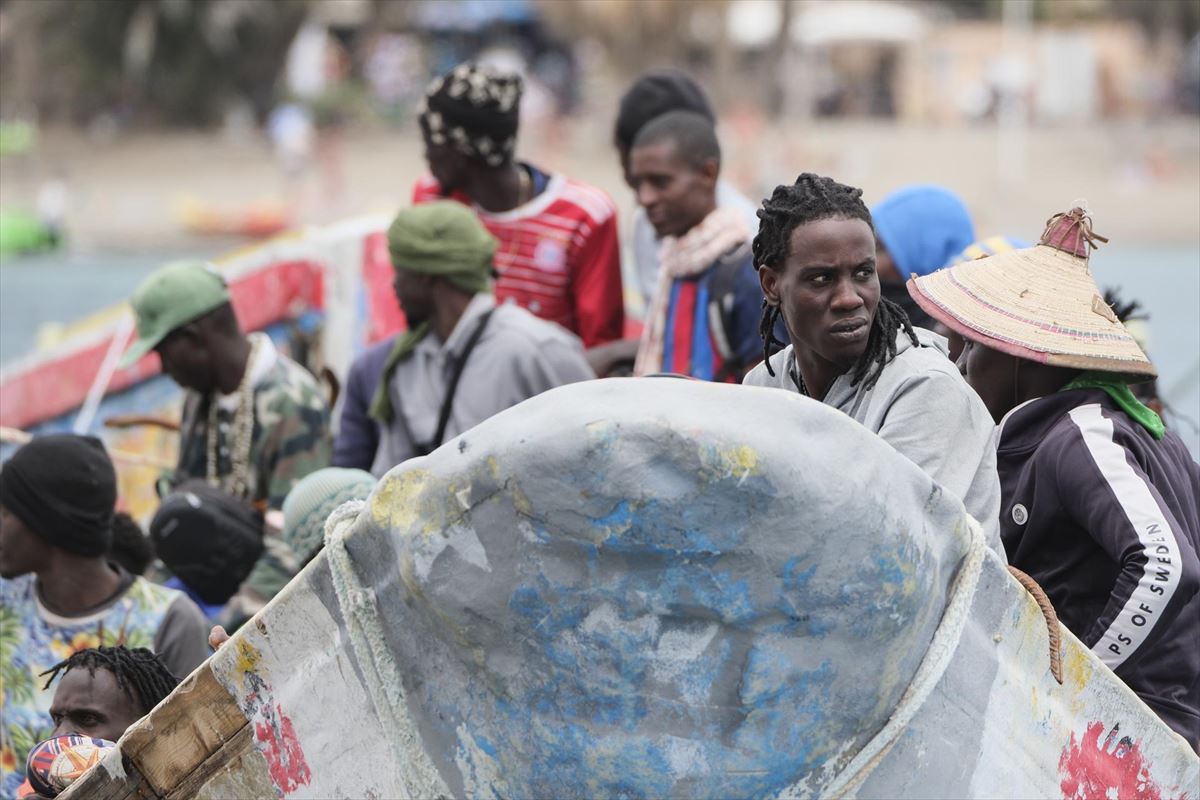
(558, 256)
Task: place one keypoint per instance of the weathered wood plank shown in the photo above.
(196, 721)
(229, 764)
(99, 784)
(196, 729)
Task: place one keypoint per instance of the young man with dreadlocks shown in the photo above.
(558, 254)
(102, 691)
(857, 352)
(1101, 504)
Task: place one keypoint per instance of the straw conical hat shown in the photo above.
(1040, 303)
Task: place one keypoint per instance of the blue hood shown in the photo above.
(923, 228)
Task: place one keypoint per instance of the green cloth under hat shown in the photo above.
(172, 297)
(443, 238)
(1118, 389)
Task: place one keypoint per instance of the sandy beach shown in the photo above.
(1142, 183)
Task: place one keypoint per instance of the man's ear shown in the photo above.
(711, 170)
(768, 279)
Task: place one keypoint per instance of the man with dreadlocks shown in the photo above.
(558, 254)
(856, 351)
(1101, 504)
(102, 692)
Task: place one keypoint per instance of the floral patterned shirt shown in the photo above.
(33, 638)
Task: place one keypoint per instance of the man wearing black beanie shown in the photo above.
(58, 593)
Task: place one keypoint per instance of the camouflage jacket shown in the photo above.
(291, 438)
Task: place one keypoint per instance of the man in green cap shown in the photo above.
(463, 358)
(254, 421)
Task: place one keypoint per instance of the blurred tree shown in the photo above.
(174, 62)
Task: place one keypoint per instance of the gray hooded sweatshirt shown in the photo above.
(924, 409)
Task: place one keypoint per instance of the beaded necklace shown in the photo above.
(242, 430)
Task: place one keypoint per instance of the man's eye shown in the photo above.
(865, 272)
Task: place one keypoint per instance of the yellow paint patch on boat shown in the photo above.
(248, 657)
(1078, 668)
(399, 502)
(730, 461)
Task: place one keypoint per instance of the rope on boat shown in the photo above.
(1052, 626)
(929, 673)
(383, 682)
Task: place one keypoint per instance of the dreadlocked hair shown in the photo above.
(140, 673)
(811, 198)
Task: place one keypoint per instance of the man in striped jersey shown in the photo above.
(558, 254)
(1099, 502)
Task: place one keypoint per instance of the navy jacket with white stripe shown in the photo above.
(1105, 518)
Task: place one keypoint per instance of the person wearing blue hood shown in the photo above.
(919, 229)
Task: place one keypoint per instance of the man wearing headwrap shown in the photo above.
(464, 357)
(59, 594)
(558, 254)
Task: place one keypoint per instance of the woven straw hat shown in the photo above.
(1039, 303)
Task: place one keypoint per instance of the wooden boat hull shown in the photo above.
(637, 588)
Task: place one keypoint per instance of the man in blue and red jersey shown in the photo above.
(558, 254)
(704, 318)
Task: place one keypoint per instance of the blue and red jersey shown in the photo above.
(713, 341)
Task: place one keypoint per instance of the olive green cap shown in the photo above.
(172, 297)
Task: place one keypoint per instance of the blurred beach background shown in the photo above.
(133, 132)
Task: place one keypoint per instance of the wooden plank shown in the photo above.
(98, 784)
(195, 722)
(237, 764)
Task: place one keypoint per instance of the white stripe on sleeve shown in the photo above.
(1160, 575)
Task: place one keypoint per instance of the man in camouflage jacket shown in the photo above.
(254, 421)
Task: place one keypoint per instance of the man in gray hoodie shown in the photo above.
(857, 352)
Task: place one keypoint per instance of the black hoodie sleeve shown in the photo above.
(1106, 491)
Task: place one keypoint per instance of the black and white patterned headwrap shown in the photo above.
(474, 110)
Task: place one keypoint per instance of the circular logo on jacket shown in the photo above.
(550, 256)
(1020, 514)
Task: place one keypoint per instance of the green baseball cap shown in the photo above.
(171, 297)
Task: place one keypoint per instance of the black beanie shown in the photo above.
(654, 94)
(64, 489)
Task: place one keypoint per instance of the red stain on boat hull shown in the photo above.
(281, 748)
(1112, 769)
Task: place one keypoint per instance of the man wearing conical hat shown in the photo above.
(1099, 502)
